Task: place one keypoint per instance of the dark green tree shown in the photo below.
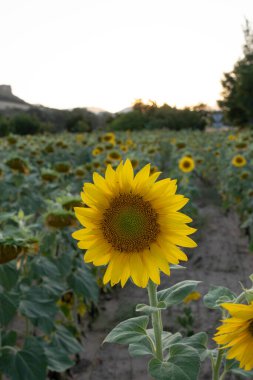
(5, 126)
(25, 124)
(237, 102)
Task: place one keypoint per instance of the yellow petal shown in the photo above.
(151, 267)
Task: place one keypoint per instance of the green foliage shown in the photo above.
(27, 363)
(177, 293)
(25, 124)
(218, 295)
(153, 117)
(130, 331)
(80, 120)
(186, 321)
(183, 364)
(5, 126)
(132, 121)
(237, 85)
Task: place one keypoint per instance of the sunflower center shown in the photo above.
(186, 164)
(250, 328)
(130, 224)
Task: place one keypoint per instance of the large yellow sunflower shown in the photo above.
(236, 333)
(132, 224)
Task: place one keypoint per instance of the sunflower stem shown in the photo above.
(217, 366)
(156, 320)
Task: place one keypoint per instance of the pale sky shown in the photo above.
(107, 53)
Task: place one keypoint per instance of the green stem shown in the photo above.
(223, 375)
(217, 366)
(27, 327)
(156, 319)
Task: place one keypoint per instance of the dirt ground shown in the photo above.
(222, 258)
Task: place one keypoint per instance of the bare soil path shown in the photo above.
(222, 258)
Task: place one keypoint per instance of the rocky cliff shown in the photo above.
(8, 100)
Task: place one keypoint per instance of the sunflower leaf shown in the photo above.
(130, 331)
(146, 309)
(183, 364)
(8, 307)
(177, 293)
(199, 342)
(176, 266)
(141, 348)
(28, 363)
(218, 295)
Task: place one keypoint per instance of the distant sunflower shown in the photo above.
(132, 224)
(186, 164)
(236, 334)
(193, 296)
(239, 161)
(114, 156)
(96, 151)
(109, 137)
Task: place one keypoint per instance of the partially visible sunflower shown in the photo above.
(236, 334)
(239, 161)
(193, 296)
(133, 224)
(109, 137)
(96, 151)
(186, 164)
(114, 156)
(245, 175)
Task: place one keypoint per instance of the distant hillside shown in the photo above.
(8, 100)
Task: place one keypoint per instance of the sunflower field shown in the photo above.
(49, 296)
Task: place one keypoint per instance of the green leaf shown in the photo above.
(199, 342)
(144, 346)
(218, 295)
(146, 309)
(45, 324)
(183, 364)
(8, 275)
(42, 266)
(177, 293)
(57, 359)
(65, 341)
(169, 339)
(130, 331)
(233, 366)
(141, 348)
(37, 302)
(245, 374)
(175, 266)
(84, 284)
(8, 338)
(8, 307)
(29, 363)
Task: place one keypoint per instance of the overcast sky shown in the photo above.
(107, 53)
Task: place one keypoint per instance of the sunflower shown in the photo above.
(193, 296)
(186, 164)
(245, 175)
(236, 334)
(134, 162)
(114, 156)
(109, 137)
(96, 151)
(132, 224)
(239, 161)
(231, 137)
